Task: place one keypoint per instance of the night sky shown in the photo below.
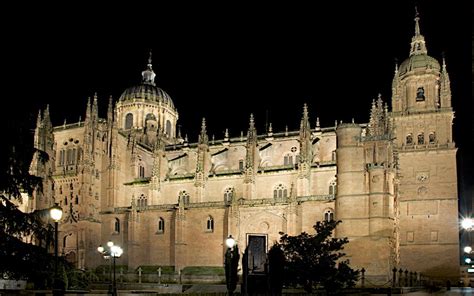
(224, 63)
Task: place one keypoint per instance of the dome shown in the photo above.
(420, 61)
(147, 92)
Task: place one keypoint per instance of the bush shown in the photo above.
(204, 270)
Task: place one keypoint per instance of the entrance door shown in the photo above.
(257, 252)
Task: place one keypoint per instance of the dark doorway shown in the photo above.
(257, 252)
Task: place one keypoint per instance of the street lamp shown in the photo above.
(113, 251)
(467, 223)
(56, 213)
(231, 262)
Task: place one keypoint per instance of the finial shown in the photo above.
(305, 110)
(213, 139)
(417, 18)
(179, 131)
(444, 61)
(38, 119)
(241, 135)
(80, 118)
(64, 124)
(226, 133)
(352, 119)
(396, 65)
(317, 122)
(335, 123)
(270, 128)
(185, 138)
(148, 75)
(95, 96)
(286, 130)
(251, 119)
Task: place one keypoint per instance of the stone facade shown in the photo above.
(132, 178)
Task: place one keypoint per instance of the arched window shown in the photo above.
(421, 139)
(280, 192)
(141, 172)
(328, 215)
(77, 199)
(183, 196)
(117, 225)
(288, 159)
(168, 128)
(142, 201)
(228, 194)
(61, 157)
(161, 225)
(332, 188)
(432, 138)
(129, 121)
(210, 224)
(409, 139)
(420, 94)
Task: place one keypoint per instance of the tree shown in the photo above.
(315, 260)
(20, 259)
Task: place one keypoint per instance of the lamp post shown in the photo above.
(113, 251)
(56, 213)
(468, 225)
(231, 262)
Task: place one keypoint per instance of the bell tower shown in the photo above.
(423, 118)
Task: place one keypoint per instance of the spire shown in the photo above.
(251, 146)
(305, 137)
(445, 87)
(88, 108)
(417, 24)
(37, 135)
(203, 138)
(47, 119)
(38, 120)
(418, 45)
(304, 120)
(148, 74)
(110, 111)
(95, 108)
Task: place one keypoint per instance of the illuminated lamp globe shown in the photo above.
(230, 242)
(56, 213)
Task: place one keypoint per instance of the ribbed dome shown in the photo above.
(147, 92)
(419, 61)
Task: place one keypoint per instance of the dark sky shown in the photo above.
(224, 63)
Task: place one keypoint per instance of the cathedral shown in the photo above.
(132, 179)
